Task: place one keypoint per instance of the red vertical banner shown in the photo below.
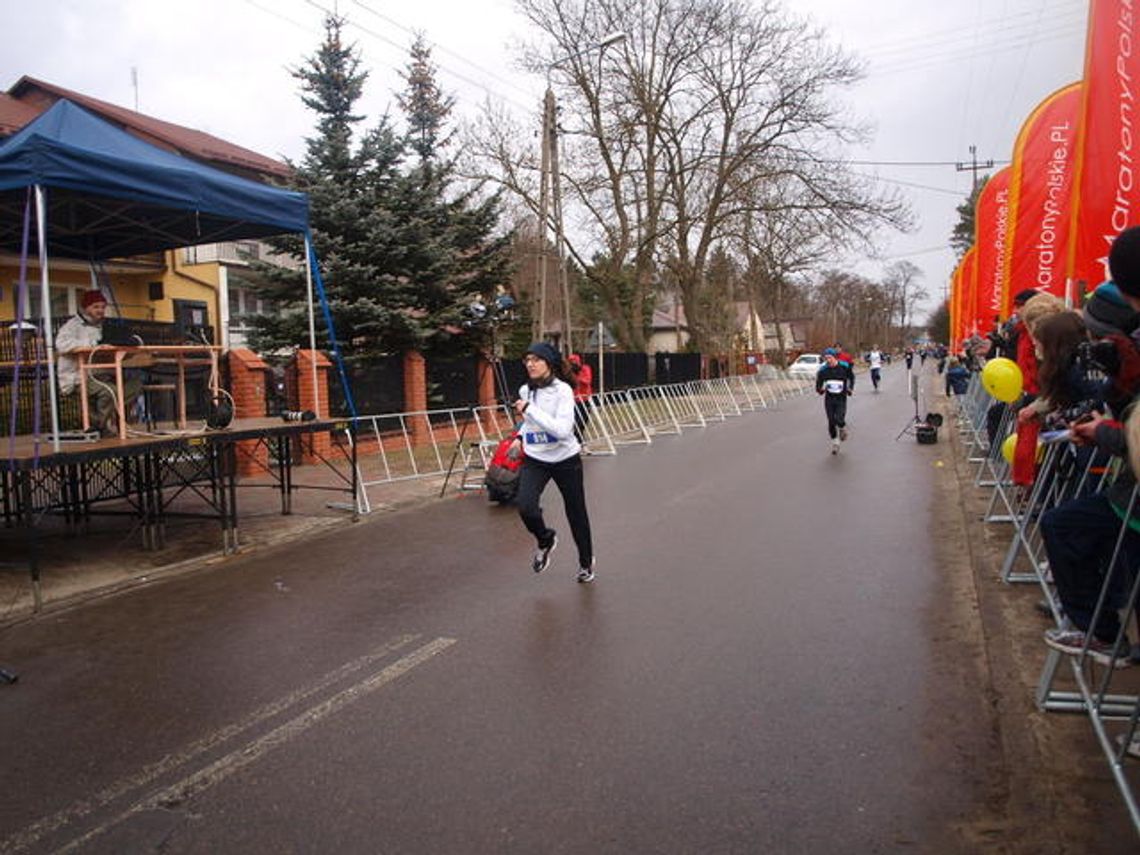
(1041, 197)
(991, 233)
(1107, 191)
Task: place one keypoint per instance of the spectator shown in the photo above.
(1081, 535)
(582, 376)
(957, 377)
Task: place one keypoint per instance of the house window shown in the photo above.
(64, 300)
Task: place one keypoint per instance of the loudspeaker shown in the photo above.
(155, 290)
(219, 414)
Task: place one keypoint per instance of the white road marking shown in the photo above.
(236, 760)
(117, 790)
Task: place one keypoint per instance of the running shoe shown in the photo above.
(586, 574)
(542, 555)
(835, 446)
(1072, 642)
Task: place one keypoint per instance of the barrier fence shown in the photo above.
(432, 443)
(1064, 472)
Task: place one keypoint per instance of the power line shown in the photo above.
(963, 36)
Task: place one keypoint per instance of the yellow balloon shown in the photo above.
(1010, 444)
(1002, 378)
(1007, 448)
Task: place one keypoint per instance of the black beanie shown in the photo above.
(1124, 261)
(547, 353)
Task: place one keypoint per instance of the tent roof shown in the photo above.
(111, 195)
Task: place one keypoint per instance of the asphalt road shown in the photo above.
(754, 670)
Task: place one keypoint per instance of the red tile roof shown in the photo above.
(29, 97)
(14, 114)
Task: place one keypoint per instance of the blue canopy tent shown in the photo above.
(101, 193)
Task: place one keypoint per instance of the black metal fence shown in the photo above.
(377, 388)
(676, 368)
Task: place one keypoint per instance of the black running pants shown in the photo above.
(567, 475)
(836, 408)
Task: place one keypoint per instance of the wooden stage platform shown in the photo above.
(145, 473)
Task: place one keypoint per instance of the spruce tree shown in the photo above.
(402, 252)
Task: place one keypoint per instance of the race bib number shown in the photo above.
(835, 387)
(538, 437)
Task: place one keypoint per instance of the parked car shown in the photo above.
(807, 366)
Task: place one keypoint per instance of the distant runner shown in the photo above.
(875, 359)
(835, 381)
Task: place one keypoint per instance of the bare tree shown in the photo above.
(901, 280)
(669, 138)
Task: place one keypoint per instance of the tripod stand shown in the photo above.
(911, 427)
(502, 393)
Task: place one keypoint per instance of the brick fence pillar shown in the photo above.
(301, 370)
(485, 371)
(248, 376)
(415, 395)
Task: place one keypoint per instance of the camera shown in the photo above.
(1101, 356)
(501, 310)
(1079, 412)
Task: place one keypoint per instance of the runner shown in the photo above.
(546, 408)
(875, 359)
(835, 381)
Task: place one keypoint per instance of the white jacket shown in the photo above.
(547, 428)
(75, 333)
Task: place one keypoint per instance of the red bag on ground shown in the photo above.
(502, 478)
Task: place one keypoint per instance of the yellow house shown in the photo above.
(181, 294)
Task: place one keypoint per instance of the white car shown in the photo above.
(806, 367)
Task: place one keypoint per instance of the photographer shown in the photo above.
(1081, 535)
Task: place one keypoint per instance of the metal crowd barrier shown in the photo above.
(405, 446)
(1063, 475)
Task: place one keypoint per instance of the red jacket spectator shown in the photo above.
(583, 376)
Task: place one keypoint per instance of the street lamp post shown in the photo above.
(550, 201)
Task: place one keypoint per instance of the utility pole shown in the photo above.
(550, 203)
(550, 209)
(973, 166)
(539, 321)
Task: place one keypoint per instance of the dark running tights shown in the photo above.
(836, 408)
(567, 474)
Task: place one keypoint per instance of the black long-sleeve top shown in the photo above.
(837, 379)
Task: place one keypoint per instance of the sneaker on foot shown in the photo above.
(586, 574)
(835, 446)
(1072, 642)
(843, 434)
(542, 555)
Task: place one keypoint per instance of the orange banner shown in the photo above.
(969, 306)
(952, 308)
(1041, 197)
(991, 232)
(1107, 187)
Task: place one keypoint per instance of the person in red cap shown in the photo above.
(85, 330)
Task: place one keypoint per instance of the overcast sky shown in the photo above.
(940, 76)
